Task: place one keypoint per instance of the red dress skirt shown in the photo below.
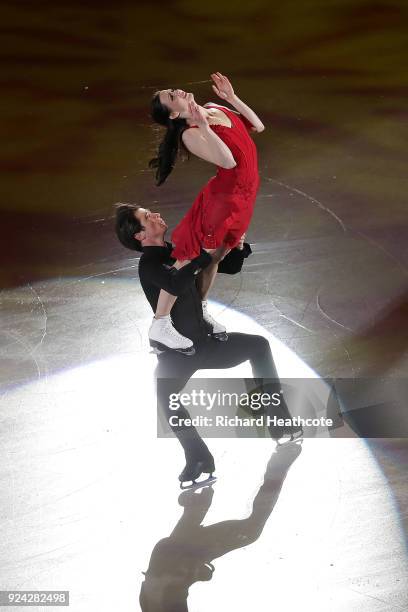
(222, 211)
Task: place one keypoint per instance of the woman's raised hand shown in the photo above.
(198, 114)
(222, 86)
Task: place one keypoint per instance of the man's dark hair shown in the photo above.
(126, 226)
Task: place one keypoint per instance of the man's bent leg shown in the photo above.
(240, 348)
(255, 349)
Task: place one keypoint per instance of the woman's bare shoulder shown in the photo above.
(190, 131)
(191, 136)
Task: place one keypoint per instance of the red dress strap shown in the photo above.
(234, 114)
(218, 106)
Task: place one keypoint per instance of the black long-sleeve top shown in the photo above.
(156, 273)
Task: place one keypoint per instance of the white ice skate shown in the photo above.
(164, 337)
(219, 332)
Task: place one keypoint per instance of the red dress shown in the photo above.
(222, 211)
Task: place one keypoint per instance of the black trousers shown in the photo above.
(213, 354)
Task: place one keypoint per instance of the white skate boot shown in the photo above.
(219, 332)
(164, 337)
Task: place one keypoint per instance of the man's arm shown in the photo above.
(173, 280)
(233, 262)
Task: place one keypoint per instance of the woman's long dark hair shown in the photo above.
(168, 149)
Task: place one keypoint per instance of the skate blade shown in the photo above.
(156, 351)
(295, 437)
(158, 348)
(221, 337)
(198, 484)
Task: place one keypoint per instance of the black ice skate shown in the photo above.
(291, 434)
(283, 434)
(193, 470)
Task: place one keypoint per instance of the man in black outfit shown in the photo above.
(156, 273)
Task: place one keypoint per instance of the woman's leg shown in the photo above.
(162, 334)
(205, 282)
(207, 276)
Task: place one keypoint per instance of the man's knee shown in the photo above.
(260, 344)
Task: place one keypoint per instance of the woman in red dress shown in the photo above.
(221, 213)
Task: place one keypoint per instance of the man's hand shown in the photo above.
(222, 87)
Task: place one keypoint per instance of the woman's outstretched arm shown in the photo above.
(225, 91)
(248, 113)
